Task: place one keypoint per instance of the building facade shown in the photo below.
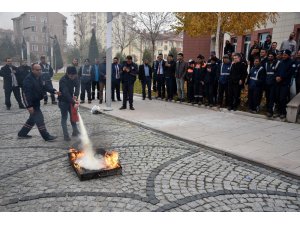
(287, 22)
(39, 29)
(6, 33)
(85, 22)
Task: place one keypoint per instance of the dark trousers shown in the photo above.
(161, 85)
(115, 85)
(174, 86)
(190, 90)
(284, 92)
(209, 93)
(270, 97)
(254, 98)
(146, 82)
(170, 89)
(17, 94)
(35, 118)
(95, 84)
(223, 89)
(85, 87)
(234, 93)
(65, 109)
(49, 83)
(127, 93)
(154, 81)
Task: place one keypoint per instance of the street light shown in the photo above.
(52, 63)
(110, 16)
(27, 46)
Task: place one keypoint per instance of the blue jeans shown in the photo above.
(180, 87)
(65, 109)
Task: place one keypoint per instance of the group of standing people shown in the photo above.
(269, 72)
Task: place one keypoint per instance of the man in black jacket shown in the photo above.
(69, 95)
(33, 93)
(237, 76)
(170, 67)
(47, 74)
(145, 76)
(10, 83)
(228, 49)
(22, 72)
(128, 77)
(160, 69)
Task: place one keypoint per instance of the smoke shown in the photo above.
(88, 161)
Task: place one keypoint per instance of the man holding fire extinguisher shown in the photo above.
(68, 103)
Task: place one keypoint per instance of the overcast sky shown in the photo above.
(7, 23)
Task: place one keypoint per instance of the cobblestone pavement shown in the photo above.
(159, 173)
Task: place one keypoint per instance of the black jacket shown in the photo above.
(142, 76)
(5, 72)
(228, 49)
(238, 72)
(68, 89)
(163, 66)
(33, 90)
(22, 72)
(129, 77)
(170, 70)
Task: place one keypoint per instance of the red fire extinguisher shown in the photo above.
(74, 114)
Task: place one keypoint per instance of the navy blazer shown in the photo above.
(7, 78)
(113, 71)
(163, 65)
(142, 72)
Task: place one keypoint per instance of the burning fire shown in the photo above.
(111, 159)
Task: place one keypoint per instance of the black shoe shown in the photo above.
(132, 108)
(269, 115)
(7, 107)
(282, 116)
(89, 101)
(45, 103)
(113, 100)
(51, 138)
(93, 98)
(24, 137)
(123, 107)
(75, 134)
(22, 107)
(81, 102)
(54, 103)
(150, 98)
(144, 98)
(67, 138)
(100, 102)
(229, 108)
(119, 100)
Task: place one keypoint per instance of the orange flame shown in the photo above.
(111, 159)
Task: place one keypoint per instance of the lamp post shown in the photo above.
(27, 46)
(51, 52)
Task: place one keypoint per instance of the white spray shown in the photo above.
(88, 161)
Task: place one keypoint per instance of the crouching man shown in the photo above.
(69, 89)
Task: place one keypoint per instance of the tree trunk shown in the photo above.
(217, 47)
(153, 50)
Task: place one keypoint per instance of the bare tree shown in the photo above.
(80, 32)
(123, 31)
(154, 23)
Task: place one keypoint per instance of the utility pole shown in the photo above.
(108, 60)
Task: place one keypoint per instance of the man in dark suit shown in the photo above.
(10, 83)
(160, 69)
(115, 79)
(145, 76)
(128, 77)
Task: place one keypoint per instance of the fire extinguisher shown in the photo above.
(74, 113)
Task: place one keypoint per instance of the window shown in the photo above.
(32, 18)
(159, 52)
(234, 43)
(166, 47)
(45, 48)
(34, 38)
(44, 29)
(166, 42)
(44, 19)
(33, 28)
(262, 38)
(34, 48)
(247, 42)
